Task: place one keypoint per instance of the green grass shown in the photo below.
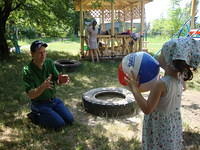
(64, 46)
(19, 134)
(155, 43)
(23, 42)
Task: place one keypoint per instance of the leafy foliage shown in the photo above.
(34, 18)
(176, 17)
(50, 17)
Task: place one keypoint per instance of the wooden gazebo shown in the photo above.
(119, 10)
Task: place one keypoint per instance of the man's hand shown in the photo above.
(47, 84)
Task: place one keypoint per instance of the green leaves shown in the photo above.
(48, 17)
(170, 25)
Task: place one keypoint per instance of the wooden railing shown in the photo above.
(123, 44)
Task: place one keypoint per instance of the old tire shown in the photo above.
(93, 103)
(65, 65)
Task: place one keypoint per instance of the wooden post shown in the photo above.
(124, 20)
(141, 25)
(81, 28)
(131, 19)
(193, 13)
(119, 21)
(103, 24)
(112, 26)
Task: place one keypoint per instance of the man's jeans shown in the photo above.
(52, 114)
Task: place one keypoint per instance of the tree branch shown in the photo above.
(18, 5)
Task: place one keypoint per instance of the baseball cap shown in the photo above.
(37, 44)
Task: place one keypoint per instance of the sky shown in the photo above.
(158, 8)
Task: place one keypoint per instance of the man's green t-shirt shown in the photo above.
(33, 77)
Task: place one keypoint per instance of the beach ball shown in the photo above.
(141, 64)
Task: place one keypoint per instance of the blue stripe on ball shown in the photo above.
(149, 68)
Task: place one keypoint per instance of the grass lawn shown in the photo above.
(155, 43)
(18, 133)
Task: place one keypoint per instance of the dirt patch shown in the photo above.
(190, 108)
(131, 125)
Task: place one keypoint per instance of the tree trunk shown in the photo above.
(4, 14)
(4, 50)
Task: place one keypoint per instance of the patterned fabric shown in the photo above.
(162, 129)
(186, 49)
(92, 37)
(171, 102)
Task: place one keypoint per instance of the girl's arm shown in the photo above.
(149, 105)
(183, 84)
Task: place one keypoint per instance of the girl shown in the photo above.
(92, 41)
(162, 126)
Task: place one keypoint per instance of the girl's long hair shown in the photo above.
(94, 24)
(184, 69)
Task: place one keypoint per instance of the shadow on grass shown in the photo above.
(18, 133)
(192, 107)
(191, 140)
(76, 137)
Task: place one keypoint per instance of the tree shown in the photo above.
(49, 17)
(177, 17)
(6, 7)
(158, 26)
(170, 25)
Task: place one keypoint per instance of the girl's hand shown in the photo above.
(133, 82)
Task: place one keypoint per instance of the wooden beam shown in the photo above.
(131, 19)
(193, 13)
(112, 26)
(103, 28)
(124, 20)
(81, 28)
(141, 25)
(87, 4)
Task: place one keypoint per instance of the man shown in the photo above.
(40, 77)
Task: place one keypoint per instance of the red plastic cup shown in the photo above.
(63, 78)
